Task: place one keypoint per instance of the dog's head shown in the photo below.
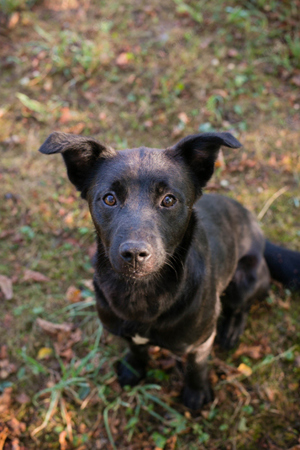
(140, 199)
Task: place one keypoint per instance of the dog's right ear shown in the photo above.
(80, 154)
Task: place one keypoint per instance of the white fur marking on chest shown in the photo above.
(140, 340)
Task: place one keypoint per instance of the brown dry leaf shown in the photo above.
(122, 59)
(6, 287)
(6, 368)
(62, 440)
(32, 275)
(171, 443)
(148, 123)
(177, 131)
(220, 92)
(13, 20)
(73, 294)
(6, 233)
(16, 426)
(76, 129)
(88, 284)
(206, 42)
(65, 342)
(3, 352)
(3, 435)
(220, 162)
(58, 5)
(232, 53)
(22, 398)
(15, 444)
(92, 250)
(5, 400)
(167, 363)
(66, 115)
(69, 218)
(296, 80)
(254, 352)
(183, 117)
(7, 320)
(270, 393)
(67, 354)
(54, 328)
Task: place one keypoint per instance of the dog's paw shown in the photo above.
(230, 338)
(230, 330)
(196, 398)
(129, 374)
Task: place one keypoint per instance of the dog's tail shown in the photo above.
(284, 265)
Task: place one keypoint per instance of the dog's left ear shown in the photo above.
(81, 155)
(200, 151)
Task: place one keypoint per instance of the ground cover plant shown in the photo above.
(134, 74)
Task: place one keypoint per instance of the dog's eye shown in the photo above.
(109, 200)
(168, 201)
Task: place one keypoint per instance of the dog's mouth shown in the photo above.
(136, 274)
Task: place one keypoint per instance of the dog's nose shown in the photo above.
(135, 252)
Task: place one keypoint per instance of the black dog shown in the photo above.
(165, 260)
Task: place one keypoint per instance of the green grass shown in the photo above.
(127, 73)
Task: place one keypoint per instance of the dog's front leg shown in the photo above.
(197, 390)
(133, 367)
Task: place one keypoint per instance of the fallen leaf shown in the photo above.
(220, 92)
(67, 354)
(66, 115)
(206, 42)
(122, 59)
(32, 275)
(54, 328)
(15, 444)
(6, 287)
(73, 294)
(183, 117)
(3, 433)
(244, 369)
(13, 20)
(148, 123)
(44, 353)
(254, 352)
(270, 393)
(3, 352)
(76, 129)
(4, 234)
(220, 162)
(7, 320)
(5, 401)
(69, 218)
(22, 398)
(232, 53)
(89, 284)
(62, 440)
(167, 363)
(171, 443)
(6, 368)
(17, 426)
(296, 80)
(102, 116)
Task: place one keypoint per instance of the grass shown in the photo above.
(141, 75)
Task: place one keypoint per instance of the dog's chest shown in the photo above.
(139, 340)
(153, 336)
